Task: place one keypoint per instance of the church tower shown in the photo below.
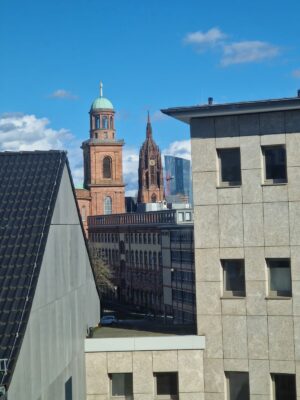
(102, 156)
(151, 186)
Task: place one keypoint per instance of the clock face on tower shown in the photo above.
(152, 162)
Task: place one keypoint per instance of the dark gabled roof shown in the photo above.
(29, 183)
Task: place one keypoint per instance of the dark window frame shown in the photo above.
(279, 293)
(223, 182)
(225, 267)
(270, 180)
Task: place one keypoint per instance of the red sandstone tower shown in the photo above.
(103, 191)
(151, 187)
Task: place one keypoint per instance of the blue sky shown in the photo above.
(149, 55)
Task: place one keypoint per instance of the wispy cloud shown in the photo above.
(247, 52)
(296, 73)
(232, 52)
(202, 40)
(63, 94)
(21, 132)
(179, 148)
(158, 116)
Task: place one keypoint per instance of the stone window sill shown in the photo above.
(274, 184)
(228, 187)
(278, 297)
(232, 297)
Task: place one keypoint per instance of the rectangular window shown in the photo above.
(167, 385)
(280, 283)
(68, 389)
(229, 167)
(237, 385)
(121, 385)
(274, 164)
(284, 386)
(233, 277)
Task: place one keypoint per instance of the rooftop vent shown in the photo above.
(210, 101)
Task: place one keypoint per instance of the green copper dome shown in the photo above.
(102, 102)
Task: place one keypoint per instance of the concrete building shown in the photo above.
(152, 258)
(246, 169)
(103, 191)
(48, 297)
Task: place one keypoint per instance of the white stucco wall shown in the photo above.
(65, 304)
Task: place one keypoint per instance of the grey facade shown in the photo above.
(51, 363)
(256, 221)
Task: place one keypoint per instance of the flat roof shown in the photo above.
(185, 114)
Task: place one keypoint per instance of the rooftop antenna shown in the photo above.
(101, 89)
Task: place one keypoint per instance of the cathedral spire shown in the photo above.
(149, 127)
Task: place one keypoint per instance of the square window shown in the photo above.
(284, 386)
(121, 385)
(229, 167)
(275, 164)
(167, 385)
(233, 277)
(237, 385)
(280, 283)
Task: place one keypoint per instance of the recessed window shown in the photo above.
(121, 385)
(229, 167)
(275, 164)
(68, 389)
(237, 385)
(180, 217)
(280, 283)
(233, 277)
(284, 386)
(167, 385)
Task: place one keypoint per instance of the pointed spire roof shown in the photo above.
(149, 128)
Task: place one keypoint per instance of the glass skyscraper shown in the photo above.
(178, 178)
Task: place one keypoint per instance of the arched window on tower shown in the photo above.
(107, 167)
(104, 122)
(97, 122)
(111, 125)
(83, 213)
(107, 205)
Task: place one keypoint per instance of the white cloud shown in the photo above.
(180, 148)
(296, 73)
(231, 52)
(212, 37)
(130, 169)
(63, 94)
(248, 51)
(23, 132)
(158, 116)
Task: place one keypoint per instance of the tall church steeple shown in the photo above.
(151, 188)
(102, 154)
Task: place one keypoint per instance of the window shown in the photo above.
(275, 164)
(284, 386)
(279, 277)
(68, 389)
(188, 216)
(83, 213)
(167, 385)
(107, 205)
(149, 238)
(140, 238)
(145, 238)
(107, 167)
(135, 238)
(233, 277)
(97, 122)
(237, 385)
(145, 259)
(180, 217)
(121, 385)
(154, 238)
(229, 167)
(104, 122)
